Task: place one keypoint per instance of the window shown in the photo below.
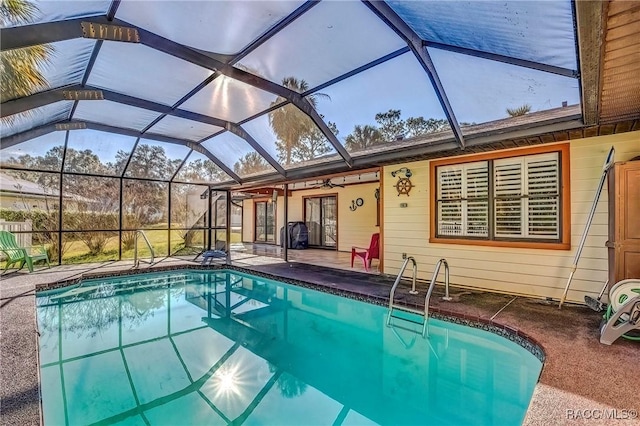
(519, 198)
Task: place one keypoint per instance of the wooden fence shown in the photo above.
(24, 240)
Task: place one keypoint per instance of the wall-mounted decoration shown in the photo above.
(358, 202)
(404, 185)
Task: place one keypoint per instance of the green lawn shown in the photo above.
(77, 251)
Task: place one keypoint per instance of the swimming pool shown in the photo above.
(192, 347)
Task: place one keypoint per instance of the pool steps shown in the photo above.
(424, 314)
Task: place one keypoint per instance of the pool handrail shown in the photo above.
(425, 329)
(136, 261)
(436, 271)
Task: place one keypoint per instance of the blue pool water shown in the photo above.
(216, 347)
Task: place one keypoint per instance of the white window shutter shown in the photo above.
(508, 185)
(462, 200)
(477, 203)
(450, 204)
(526, 198)
(543, 186)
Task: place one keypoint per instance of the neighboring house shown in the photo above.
(20, 194)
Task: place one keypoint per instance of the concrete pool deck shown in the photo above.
(583, 382)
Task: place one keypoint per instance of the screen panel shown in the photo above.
(540, 31)
(96, 152)
(41, 153)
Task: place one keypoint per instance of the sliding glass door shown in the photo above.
(265, 222)
(321, 218)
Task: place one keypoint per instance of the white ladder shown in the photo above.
(425, 313)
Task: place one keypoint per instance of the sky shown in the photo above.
(332, 38)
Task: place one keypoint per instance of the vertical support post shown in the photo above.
(285, 243)
(64, 155)
(228, 241)
(169, 222)
(209, 219)
(124, 171)
(121, 219)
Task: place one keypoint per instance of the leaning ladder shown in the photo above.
(425, 313)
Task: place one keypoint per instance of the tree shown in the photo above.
(251, 163)
(289, 123)
(363, 137)
(517, 112)
(418, 126)
(143, 202)
(94, 210)
(147, 161)
(202, 171)
(391, 125)
(84, 161)
(313, 144)
(20, 68)
(189, 213)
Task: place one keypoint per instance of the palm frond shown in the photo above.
(517, 112)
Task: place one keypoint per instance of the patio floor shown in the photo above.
(320, 257)
(579, 374)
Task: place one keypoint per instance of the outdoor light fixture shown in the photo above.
(205, 194)
(404, 170)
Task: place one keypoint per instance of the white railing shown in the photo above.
(425, 313)
(136, 259)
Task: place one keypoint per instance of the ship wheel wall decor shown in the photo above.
(403, 186)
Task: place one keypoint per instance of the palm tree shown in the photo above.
(363, 137)
(20, 68)
(517, 112)
(289, 123)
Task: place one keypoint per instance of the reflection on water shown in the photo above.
(205, 347)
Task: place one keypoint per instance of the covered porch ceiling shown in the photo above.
(279, 91)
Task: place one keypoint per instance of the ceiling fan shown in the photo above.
(327, 184)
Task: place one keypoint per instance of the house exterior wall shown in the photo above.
(13, 201)
(354, 227)
(248, 217)
(521, 271)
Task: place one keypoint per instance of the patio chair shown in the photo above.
(14, 253)
(367, 254)
(210, 255)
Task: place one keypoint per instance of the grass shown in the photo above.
(78, 252)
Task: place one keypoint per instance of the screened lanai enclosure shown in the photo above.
(120, 116)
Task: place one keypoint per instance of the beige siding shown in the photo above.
(532, 272)
(248, 228)
(354, 227)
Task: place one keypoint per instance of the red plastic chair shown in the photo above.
(367, 254)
